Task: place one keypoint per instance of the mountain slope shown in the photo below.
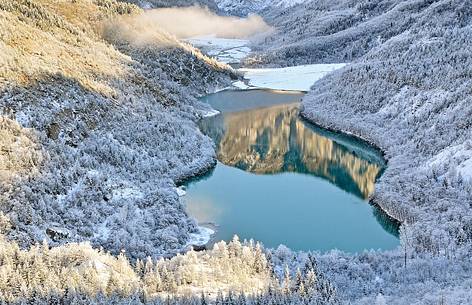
(247, 7)
(147, 4)
(413, 87)
(99, 127)
(333, 31)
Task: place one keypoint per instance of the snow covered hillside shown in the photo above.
(246, 7)
(414, 88)
(325, 31)
(97, 125)
(95, 132)
(147, 4)
(410, 95)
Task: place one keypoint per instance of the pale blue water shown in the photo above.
(280, 180)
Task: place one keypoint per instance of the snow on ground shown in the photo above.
(465, 169)
(298, 78)
(127, 193)
(201, 238)
(226, 50)
(458, 156)
(232, 51)
(180, 191)
(241, 85)
(211, 113)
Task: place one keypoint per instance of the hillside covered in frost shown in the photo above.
(247, 7)
(414, 87)
(96, 126)
(325, 31)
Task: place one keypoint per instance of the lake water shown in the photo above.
(281, 180)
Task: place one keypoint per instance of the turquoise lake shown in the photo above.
(280, 180)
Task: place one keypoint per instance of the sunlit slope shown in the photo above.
(20, 152)
(79, 274)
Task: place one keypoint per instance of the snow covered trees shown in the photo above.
(101, 135)
(234, 273)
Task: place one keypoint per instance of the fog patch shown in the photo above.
(196, 21)
(155, 25)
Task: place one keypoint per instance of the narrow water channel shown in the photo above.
(281, 180)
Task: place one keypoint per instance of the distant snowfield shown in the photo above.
(297, 78)
(232, 51)
(229, 51)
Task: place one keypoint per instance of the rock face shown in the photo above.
(57, 233)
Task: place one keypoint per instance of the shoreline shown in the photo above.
(378, 154)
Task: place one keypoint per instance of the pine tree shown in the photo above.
(287, 283)
(298, 279)
(260, 262)
(203, 300)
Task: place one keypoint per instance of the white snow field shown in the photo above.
(226, 50)
(232, 51)
(200, 238)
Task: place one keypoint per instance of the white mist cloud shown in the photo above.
(188, 22)
(196, 21)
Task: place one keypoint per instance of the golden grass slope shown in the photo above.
(47, 37)
(37, 41)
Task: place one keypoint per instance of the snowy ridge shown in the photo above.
(245, 7)
(225, 50)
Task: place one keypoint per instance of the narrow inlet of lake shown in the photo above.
(280, 180)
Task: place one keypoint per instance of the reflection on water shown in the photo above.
(273, 139)
(206, 211)
(280, 180)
